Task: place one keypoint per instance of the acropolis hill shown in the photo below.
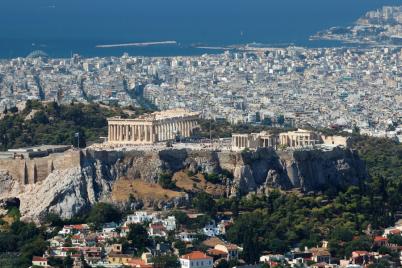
(73, 180)
(66, 180)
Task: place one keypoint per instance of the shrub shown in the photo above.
(165, 181)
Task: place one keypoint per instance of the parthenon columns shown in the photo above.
(132, 131)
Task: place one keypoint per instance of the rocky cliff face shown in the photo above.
(69, 191)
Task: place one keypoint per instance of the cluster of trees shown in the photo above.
(166, 182)
(383, 159)
(20, 241)
(280, 221)
(51, 123)
(23, 238)
(99, 214)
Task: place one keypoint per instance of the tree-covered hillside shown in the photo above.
(283, 220)
(49, 123)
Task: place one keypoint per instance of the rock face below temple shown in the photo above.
(75, 188)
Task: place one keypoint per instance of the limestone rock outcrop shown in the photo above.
(69, 191)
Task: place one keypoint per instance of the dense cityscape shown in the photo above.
(253, 156)
(377, 27)
(343, 87)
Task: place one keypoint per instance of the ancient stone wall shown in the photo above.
(32, 170)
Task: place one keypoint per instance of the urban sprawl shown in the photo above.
(324, 87)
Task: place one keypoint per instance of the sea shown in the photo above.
(61, 28)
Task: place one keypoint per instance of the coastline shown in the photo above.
(139, 44)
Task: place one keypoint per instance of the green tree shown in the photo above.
(181, 217)
(53, 219)
(165, 181)
(103, 213)
(68, 262)
(35, 247)
(203, 202)
(166, 261)
(395, 239)
(138, 237)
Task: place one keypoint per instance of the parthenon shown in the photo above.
(152, 128)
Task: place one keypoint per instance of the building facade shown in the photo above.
(292, 139)
(196, 259)
(152, 128)
(299, 138)
(254, 140)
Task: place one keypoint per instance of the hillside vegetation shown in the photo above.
(50, 123)
(280, 221)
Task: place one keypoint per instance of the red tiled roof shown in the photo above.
(138, 263)
(195, 255)
(216, 252)
(395, 231)
(360, 252)
(36, 258)
(79, 226)
(380, 238)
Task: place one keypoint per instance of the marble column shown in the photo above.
(168, 131)
(183, 129)
(137, 133)
(127, 133)
(152, 133)
(146, 133)
(191, 128)
(132, 137)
